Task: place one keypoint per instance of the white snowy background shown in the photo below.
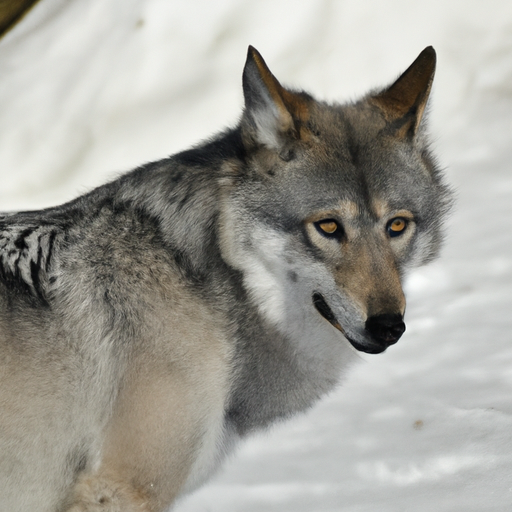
(91, 88)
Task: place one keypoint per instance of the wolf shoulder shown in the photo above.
(95, 257)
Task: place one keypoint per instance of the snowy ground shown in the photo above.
(90, 88)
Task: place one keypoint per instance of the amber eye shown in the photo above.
(329, 228)
(397, 226)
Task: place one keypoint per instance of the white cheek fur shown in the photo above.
(281, 283)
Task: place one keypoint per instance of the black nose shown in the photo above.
(385, 329)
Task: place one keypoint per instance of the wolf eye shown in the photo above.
(396, 226)
(329, 228)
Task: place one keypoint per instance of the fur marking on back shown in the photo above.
(25, 256)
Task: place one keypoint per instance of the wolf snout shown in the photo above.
(385, 329)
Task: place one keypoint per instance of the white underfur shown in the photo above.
(270, 120)
(267, 126)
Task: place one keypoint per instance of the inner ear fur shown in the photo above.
(273, 115)
(403, 103)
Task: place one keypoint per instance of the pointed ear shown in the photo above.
(403, 103)
(273, 115)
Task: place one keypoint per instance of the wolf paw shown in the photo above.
(99, 494)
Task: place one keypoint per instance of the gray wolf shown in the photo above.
(149, 325)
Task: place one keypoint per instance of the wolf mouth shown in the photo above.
(323, 308)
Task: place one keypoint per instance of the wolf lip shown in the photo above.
(323, 308)
(369, 349)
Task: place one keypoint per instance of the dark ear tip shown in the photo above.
(252, 53)
(428, 54)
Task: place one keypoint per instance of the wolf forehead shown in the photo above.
(348, 157)
(310, 154)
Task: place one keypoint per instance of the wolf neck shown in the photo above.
(274, 380)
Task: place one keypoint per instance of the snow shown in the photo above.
(92, 88)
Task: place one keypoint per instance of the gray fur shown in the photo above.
(148, 325)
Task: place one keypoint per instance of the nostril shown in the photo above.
(386, 329)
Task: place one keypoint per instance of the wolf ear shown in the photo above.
(403, 103)
(273, 115)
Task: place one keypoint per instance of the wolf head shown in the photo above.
(333, 204)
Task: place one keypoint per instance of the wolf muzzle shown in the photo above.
(383, 330)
